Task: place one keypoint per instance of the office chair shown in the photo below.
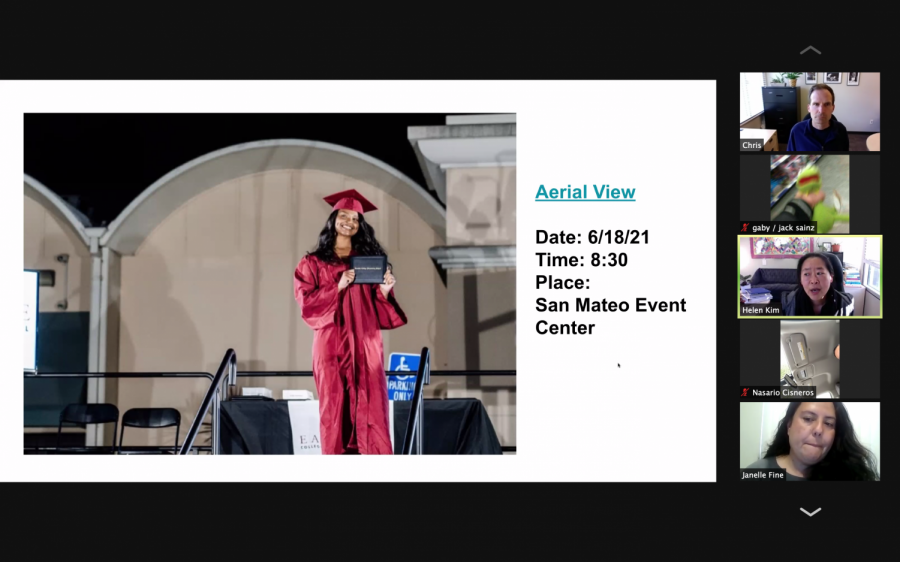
(88, 414)
(838, 268)
(150, 418)
(838, 278)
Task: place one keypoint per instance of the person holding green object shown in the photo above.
(809, 203)
(809, 181)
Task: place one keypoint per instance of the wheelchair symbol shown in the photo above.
(403, 367)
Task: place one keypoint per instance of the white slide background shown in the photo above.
(580, 417)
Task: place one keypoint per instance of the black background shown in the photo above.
(101, 162)
(559, 519)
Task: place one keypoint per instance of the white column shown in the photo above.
(95, 390)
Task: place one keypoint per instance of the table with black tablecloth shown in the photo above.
(453, 426)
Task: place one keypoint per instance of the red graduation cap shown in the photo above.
(352, 200)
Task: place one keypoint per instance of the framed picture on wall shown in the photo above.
(832, 77)
(780, 247)
(810, 77)
(853, 78)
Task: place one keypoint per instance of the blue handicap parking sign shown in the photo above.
(401, 387)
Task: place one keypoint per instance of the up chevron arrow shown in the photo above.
(811, 47)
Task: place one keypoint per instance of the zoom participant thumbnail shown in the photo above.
(810, 193)
(811, 111)
(831, 357)
(808, 441)
(809, 277)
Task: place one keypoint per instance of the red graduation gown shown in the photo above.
(348, 356)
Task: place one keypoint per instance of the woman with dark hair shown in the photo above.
(818, 293)
(348, 353)
(816, 441)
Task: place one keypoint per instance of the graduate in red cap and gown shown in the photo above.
(348, 353)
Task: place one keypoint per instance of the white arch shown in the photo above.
(64, 212)
(163, 197)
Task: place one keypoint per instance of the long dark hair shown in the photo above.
(363, 242)
(804, 303)
(847, 459)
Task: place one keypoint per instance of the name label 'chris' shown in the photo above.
(752, 144)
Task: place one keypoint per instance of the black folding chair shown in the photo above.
(89, 414)
(151, 418)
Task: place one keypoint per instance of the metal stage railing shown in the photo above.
(227, 373)
(41, 375)
(416, 422)
(226, 378)
(132, 450)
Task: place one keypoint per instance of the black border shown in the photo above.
(517, 510)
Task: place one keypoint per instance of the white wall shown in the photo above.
(751, 418)
(872, 306)
(755, 123)
(854, 106)
(45, 237)
(852, 248)
(481, 206)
